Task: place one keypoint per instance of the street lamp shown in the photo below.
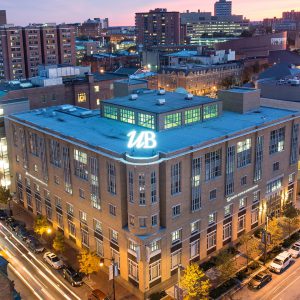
(101, 264)
(49, 230)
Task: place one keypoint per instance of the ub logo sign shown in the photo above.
(142, 140)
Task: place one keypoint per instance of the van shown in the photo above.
(280, 262)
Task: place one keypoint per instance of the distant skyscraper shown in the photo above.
(223, 8)
(3, 17)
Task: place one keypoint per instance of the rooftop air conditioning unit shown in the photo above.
(133, 97)
(189, 96)
(161, 101)
(161, 92)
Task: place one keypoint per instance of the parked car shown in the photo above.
(280, 262)
(53, 260)
(35, 246)
(72, 276)
(11, 223)
(98, 295)
(21, 232)
(295, 250)
(259, 280)
(3, 214)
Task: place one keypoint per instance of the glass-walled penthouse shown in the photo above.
(161, 111)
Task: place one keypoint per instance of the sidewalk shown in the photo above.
(98, 280)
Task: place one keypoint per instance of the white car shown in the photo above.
(53, 260)
(280, 262)
(295, 250)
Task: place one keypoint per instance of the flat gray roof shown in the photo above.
(147, 101)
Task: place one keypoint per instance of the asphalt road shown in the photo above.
(42, 282)
(284, 286)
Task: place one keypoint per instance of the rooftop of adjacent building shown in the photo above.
(101, 134)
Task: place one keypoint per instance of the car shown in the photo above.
(21, 232)
(11, 223)
(35, 246)
(295, 250)
(98, 295)
(3, 214)
(72, 276)
(280, 262)
(259, 280)
(53, 260)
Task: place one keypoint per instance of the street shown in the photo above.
(41, 281)
(283, 286)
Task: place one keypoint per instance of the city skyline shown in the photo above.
(55, 11)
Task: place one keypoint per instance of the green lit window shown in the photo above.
(110, 112)
(210, 111)
(146, 121)
(127, 116)
(192, 115)
(172, 120)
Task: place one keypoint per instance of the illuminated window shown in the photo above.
(127, 116)
(1, 111)
(243, 153)
(96, 88)
(81, 97)
(146, 120)
(110, 112)
(210, 111)
(277, 140)
(98, 102)
(192, 115)
(172, 120)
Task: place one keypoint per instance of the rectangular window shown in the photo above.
(274, 185)
(114, 236)
(130, 186)
(176, 178)
(33, 143)
(196, 188)
(84, 238)
(97, 225)
(213, 164)
(83, 216)
(154, 246)
(131, 220)
(172, 120)
(256, 196)
(112, 210)
(242, 203)
(67, 170)
(81, 193)
(230, 166)
(276, 166)
(127, 116)
(80, 164)
(210, 111)
(133, 270)
(155, 270)
(55, 153)
(175, 259)
(154, 220)
(176, 210)
(194, 249)
(192, 115)
(277, 140)
(243, 153)
(145, 120)
(71, 229)
(94, 183)
(48, 212)
(195, 227)
(111, 178)
(116, 256)
(212, 218)
(258, 158)
(228, 210)
(227, 231)
(211, 239)
(153, 188)
(57, 201)
(243, 180)
(176, 236)
(70, 209)
(99, 247)
(142, 187)
(213, 194)
(142, 222)
(60, 220)
(254, 216)
(81, 97)
(110, 112)
(294, 144)
(241, 223)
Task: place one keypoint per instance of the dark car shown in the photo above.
(21, 232)
(3, 214)
(98, 295)
(11, 223)
(259, 280)
(35, 246)
(72, 276)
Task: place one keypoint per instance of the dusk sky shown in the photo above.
(121, 12)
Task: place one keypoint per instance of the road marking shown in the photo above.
(285, 288)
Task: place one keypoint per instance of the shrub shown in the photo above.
(208, 264)
(158, 296)
(257, 232)
(221, 289)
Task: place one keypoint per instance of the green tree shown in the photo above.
(195, 283)
(59, 242)
(249, 246)
(291, 216)
(276, 231)
(41, 225)
(5, 195)
(226, 265)
(88, 262)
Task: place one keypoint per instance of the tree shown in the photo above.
(59, 242)
(291, 216)
(5, 195)
(88, 262)
(276, 231)
(226, 265)
(228, 82)
(249, 246)
(41, 225)
(195, 282)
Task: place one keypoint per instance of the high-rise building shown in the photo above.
(223, 8)
(157, 27)
(3, 20)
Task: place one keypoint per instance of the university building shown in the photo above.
(158, 179)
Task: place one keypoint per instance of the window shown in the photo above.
(228, 209)
(256, 196)
(57, 201)
(172, 120)
(154, 220)
(83, 216)
(276, 166)
(241, 223)
(116, 256)
(210, 111)
(132, 246)
(127, 116)
(81, 97)
(277, 140)
(291, 178)
(153, 188)
(80, 164)
(211, 239)
(142, 186)
(112, 210)
(110, 112)
(212, 218)
(213, 164)
(294, 144)
(176, 178)
(113, 235)
(94, 183)
(227, 231)
(71, 229)
(130, 186)
(133, 270)
(195, 227)
(274, 185)
(99, 247)
(213, 194)
(196, 189)
(49, 212)
(17, 158)
(175, 259)
(192, 115)
(35, 168)
(243, 180)
(60, 220)
(242, 203)
(176, 211)
(145, 120)
(84, 237)
(254, 216)
(96, 88)
(111, 178)
(142, 222)
(194, 249)
(56, 179)
(70, 209)
(97, 226)
(97, 101)
(33, 143)
(243, 153)
(55, 153)
(176, 236)
(155, 270)
(258, 158)
(81, 193)
(230, 167)
(131, 220)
